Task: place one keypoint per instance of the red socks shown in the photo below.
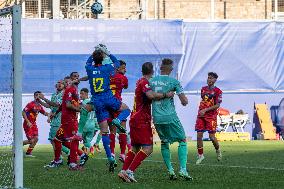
(200, 151)
(140, 156)
(122, 142)
(112, 142)
(57, 149)
(29, 150)
(128, 160)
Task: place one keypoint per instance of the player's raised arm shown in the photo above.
(85, 78)
(89, 61)
(104, 49)
(72, 107)
(47, 103)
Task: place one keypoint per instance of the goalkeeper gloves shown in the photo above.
(102, 48)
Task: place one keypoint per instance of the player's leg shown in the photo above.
(57, 152)
(200, 156)
(33, 142)
(97, 143)
(200, 128)
(106, 143)
(128, 160)
(122, 137)
(166, 154)
(182, 156)
(124, 113)
(146, 140)
(29, 136)
(211, 127)
(25, 142)
(33, 134)
(142, 154)
(134, 135)
(112, 139)
(128, 142)
(176, 134)
(163, 132)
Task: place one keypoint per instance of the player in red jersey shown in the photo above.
(211, 98)
(118, 82)
(30, 113)
(140, 124)
(67, 133)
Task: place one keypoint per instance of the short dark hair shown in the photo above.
(213, 74)
(147, 68)
(167, 64)
(167, 61)
(122, 62)
(85, 90)
(72, 73)
(98, 56)
(37, 92)
(67, 77)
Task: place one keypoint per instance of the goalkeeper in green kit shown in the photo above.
(88, 124)
(166, 121)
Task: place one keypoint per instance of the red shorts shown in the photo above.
(206, 124)
(140, 132)
(31, 132)
(67, 130)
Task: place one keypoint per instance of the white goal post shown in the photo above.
(15, 12)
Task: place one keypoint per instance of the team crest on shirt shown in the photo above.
(70, 94)
(147, 86)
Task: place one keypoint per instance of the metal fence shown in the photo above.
(155, 9)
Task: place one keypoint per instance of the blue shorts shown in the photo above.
(105, 105)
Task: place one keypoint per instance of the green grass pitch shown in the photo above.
(256, 164)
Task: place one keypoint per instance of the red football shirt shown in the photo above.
(210, 97)
(142, 105)
(117, 83)
(70, 95)
(32, 109)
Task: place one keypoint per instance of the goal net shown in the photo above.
(11, 156)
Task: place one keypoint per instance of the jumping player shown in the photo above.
(102, 97)
(211, 98)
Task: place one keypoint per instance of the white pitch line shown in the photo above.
(214, 165)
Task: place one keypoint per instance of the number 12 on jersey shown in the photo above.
(98, 83)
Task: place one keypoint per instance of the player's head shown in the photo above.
(98, 57)
(67, 81)
(84, 93)
(147, 68)
(212, 77)
(36, 95)
(74, 76)
(167, 66)
(59, 85)
(122, 67)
